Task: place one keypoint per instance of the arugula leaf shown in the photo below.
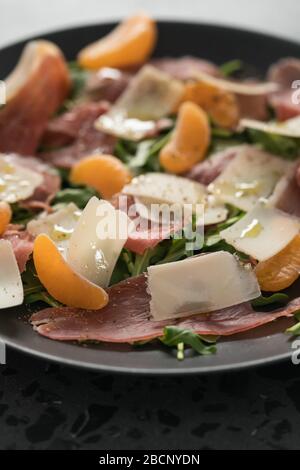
(142, 262)
(295, 329)
(167, 251)
(286, 147)
(277, 298)
(34, 291)
(174, 336)
(132, 264)
(80, 196)
(41, 296)
(64, 174)
(122, 151)
(173, 249)
(212, 237)
(149, 257)
(142, 156)
(78, 79)
(221, 139)
(230, 67)
(20, 215)
(212, 240)
(123, 268)
(160, 142)
(176, 251)
(128, 258)
(222, 133)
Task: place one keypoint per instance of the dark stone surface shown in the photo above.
(47, 406)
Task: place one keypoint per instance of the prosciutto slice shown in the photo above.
(107, 83)
(63, 130)
(185, 68)
(140, 240)
(126, 318)
(22, 243)
(88, 141)
(285, 72)
(253, 106)
(207, 171)
(146, 234)
(286, 195)
(36, 88)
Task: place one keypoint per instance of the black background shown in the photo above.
(48, 406)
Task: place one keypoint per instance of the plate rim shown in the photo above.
(142, 371)
(162, 21)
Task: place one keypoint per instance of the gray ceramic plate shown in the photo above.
(262, 346)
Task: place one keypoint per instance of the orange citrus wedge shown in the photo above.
(130, 43)
(189, 141)
(5, 216)
(280, 271)
(105, 173)
(220, 104)
(61, 281)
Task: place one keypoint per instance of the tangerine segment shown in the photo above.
(189, 142)
(61, 281)
(220, 104)
(105, 173)
(280, 271)
(130, 43)
(5, 216)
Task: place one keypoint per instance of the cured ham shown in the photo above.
(285, 73)
(207, 171)
(88, 141)
(35, 90)
(142, 239)
(126, 318)
(284, 106)
(286, 195)
(107, 84)
(22, 243)
(185, 68)
(253, 107)
(298, 176)
(63, 130)
(146, 233)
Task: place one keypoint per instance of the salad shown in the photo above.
(149, 199)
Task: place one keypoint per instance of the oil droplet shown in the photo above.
(252, 230)
(61, 233)
(237, 189)
(247, 188)
(8, 168)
